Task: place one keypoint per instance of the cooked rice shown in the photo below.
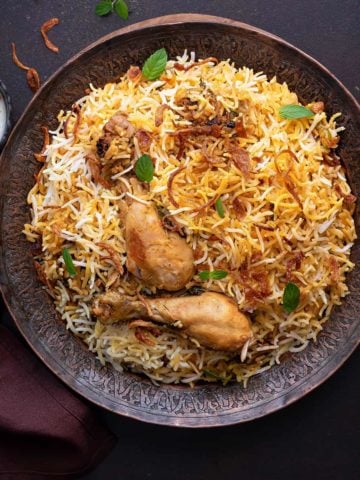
(70, 210)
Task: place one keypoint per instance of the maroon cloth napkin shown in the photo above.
(46, 431)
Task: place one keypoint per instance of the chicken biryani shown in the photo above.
(194, 222)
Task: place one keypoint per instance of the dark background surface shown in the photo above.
(316, 438)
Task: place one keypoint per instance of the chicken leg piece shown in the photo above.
(156, 257)
(211, 318)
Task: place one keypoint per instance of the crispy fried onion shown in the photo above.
(255, 283)
(318, 107)
(239, 207)
(241, 159)
(32, 76)
(45, 27)
(159, 114)
(113, 255)
(284, 165)
(170, 184)
(33, 79)
(331, 159)
(145, 331)
(144, 139)
(208, 204)
(77, 111)
(180, 66)
(95, 170)
(134, 74)
(293, 264)
(40, 157)
(349, 199)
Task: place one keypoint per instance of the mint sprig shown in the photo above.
(220, 208)
(213, 274)
(144, 168)
(291, 297)
(104, 7)
(69, 264)
(155, 65)
(291, 112)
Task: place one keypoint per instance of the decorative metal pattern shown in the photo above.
(34, 312)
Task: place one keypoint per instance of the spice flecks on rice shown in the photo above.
(277, 226)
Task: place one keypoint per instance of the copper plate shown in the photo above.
(33, 311)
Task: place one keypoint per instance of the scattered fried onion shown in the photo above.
(240, 129)
(95, 170)
(207, 204)
(142, 331)
(180, 66)
(209, 157)
(265, 227)
(32, 76)
(241, 159)
(331, 159)
(239, 207)
(349, 199)
(181, 147)
(74, 109)
(255, 283)
(293, 264)
(159, 114)
(45, 27)
(15, 58)
(40, 157)
(292, 189)
(114, 255)
(33, 79)
(145, 324)
(284, 161)
(318, 107)
(144, 139)
(134, 74)
(284, 164)
(170, 183)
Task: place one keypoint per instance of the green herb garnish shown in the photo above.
(155, 65)
(212, 275)
(291, 297)
(144, 168)
(210, 373)
(295, 111)
(121, 9)
(220, 208)
(108, 6)
(69, 264)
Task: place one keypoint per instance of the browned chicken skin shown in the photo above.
(156, 257)
(211, 318)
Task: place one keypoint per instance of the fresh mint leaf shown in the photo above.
(220, 208)
(155, 65)
(291, 297)
(212, 275)
(121, 9)
(104, 8)
(69, 264)
(295, 111)
(144, 168)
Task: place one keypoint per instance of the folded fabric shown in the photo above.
(46, 431)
